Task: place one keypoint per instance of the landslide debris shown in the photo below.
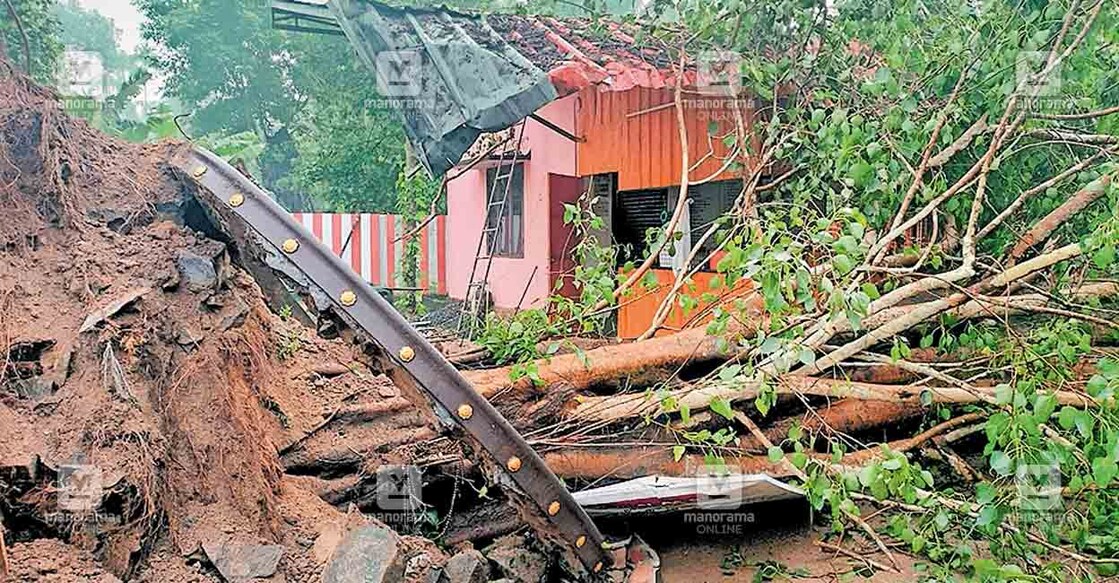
(147, 390)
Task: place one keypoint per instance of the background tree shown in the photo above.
(30, 33)
(349, 143)
(326, 143)
(89, 30)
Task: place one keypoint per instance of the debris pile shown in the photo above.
(158, 421)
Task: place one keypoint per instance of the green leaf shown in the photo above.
(678, 452)
(1067, 417)
(722, 407)
(807, 357)
(1004, 394)
(728, 373)
(1001, 463)
(1104, 470)
(775, 454)
(861, 173)
(1104, 257)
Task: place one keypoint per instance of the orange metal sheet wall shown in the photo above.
(645, 149)
(637, 312)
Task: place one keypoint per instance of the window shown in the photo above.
(637, 212)
(508, 219)
(709, 202)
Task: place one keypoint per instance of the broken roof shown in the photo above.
(480, 73)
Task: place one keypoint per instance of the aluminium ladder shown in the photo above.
(475, 304)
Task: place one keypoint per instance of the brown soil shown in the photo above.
(779, 554)
(180, 395)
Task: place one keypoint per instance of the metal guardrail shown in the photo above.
(410, 361)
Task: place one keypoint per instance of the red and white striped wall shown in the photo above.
(373, 250)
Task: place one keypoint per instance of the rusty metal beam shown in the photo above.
(412, 363)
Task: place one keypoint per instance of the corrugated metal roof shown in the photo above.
(449, 85)
(480, 73)
(574, 52)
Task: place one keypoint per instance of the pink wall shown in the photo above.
(466, 195)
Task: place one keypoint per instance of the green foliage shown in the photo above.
(595, 275)
(42, 33)
(327, 144)
(289, 345)
(222, 59)
(516, 340)
(413, 201)
(350, 149)
(240, 149)
(850, 95)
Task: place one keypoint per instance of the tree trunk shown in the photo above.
(606, 364)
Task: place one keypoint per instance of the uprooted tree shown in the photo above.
(929, 226)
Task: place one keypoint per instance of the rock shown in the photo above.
(197, 272)
(516, 562)
(420, 567)
(33, 388)
(162, 230)
(368, 554)
(112, 307)
(330, 369)
(235, 317)
(115, 220)
(466, 567)
(243, 562)
(215, 301)
(189, 336)
(169, 279)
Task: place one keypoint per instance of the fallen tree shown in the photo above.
(929, 251)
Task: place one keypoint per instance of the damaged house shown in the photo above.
(523, 115)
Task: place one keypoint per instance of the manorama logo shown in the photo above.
(719, 495)
(399, 495)
(80, 487)
(1029, 66)
(400, 73)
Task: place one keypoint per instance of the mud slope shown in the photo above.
(146, 387)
